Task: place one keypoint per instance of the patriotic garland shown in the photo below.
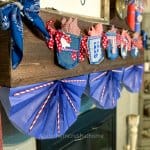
(47, 110)
(111, 41)
(68, 40)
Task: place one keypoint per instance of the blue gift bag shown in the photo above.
(68, 57)
(112, 49)
(134, 51)
(96, 55)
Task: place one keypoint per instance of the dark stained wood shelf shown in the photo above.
(1, 134)
(38, 62)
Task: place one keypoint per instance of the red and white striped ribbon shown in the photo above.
(40, 111)
(72, 81)
(129, 67)
(33, 89)
(99, 76)
(58, 118)
(118, 71)
(102, 95)
(70, 101)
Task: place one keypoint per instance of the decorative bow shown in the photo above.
(11, 18)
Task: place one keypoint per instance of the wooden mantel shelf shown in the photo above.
(1, 135)
(38, 61)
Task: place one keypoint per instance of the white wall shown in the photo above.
(128, 104)
(74, 6)
(147, 7)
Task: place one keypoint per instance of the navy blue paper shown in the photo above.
(105, 88)
(11, 18)
(132, 78)
(46, 110)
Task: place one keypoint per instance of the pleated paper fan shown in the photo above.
(46, 110)
(132, 78)
(105, 88)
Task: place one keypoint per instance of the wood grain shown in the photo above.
(1, 135)
(39, 62)
(4, 58)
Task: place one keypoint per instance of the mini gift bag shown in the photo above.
(68, 50)
(95, 50)
(136, 45)
(134, 49)
(68, 43)
(125, 44)
(111, 46)
(94, 44)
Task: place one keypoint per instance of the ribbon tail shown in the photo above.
(17, 38)
(38, 23)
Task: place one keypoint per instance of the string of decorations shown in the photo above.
(74, 47)
(47, 110)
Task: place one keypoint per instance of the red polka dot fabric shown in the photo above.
(104, 41)
(83, 49)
